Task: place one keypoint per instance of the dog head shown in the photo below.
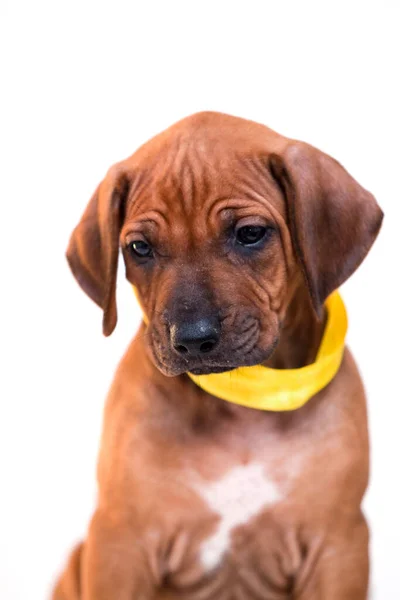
(216, 218)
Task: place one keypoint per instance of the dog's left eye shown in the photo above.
(250, 234)
(141, 249)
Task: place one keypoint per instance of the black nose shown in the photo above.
(192, 338)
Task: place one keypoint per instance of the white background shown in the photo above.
(82, 85)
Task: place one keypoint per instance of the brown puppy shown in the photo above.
(234, 237)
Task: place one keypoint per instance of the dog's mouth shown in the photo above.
(172, 367)
(256, 357)
(233, 352)
(208, 370)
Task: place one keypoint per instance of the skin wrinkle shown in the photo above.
(139, 182)
(162, 434)
(158, 291)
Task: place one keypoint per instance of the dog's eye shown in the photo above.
(250, 234)
(140, 249)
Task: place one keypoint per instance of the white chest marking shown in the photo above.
(238, 496)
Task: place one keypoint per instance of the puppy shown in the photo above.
(234, 237)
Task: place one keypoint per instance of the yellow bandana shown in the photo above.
(284, 389)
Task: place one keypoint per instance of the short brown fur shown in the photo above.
(185, 191)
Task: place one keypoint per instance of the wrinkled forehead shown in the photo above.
(192, 184)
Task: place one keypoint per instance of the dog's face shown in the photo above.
(216, 217)
(195, 245)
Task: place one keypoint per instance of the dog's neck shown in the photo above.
(301, 333)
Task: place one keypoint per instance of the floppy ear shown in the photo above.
(93, 248)
(333, 220)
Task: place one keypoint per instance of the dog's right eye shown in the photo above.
(250, 235)
(140, 249)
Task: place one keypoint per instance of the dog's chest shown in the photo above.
(237, 535)
(236, 498)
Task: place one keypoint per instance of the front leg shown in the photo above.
(69, 584)
(115, 564)
(341, 568)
